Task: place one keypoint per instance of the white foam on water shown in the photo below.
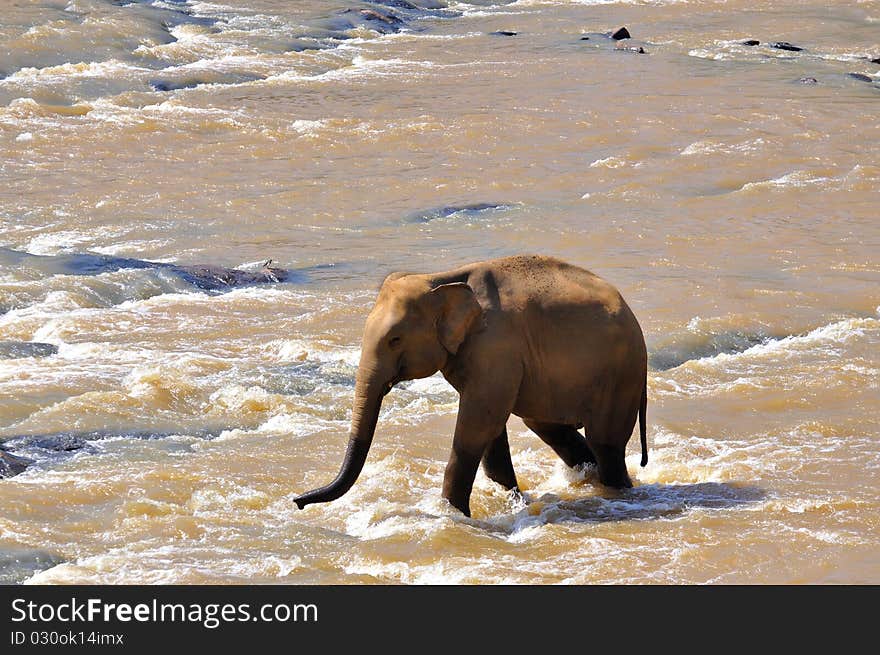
(435, 384)
(317, 350)
(216, 499)
(64, 72)
(128, 248)
(610, 162)
(360, 67)
(179, 562)
(286, 425)
(53, 243)
(794, 180)
(826, 339)
(426, 36)
(704, 53)
(776, 364)
(707, 147)
(308, 128)
(42, 315)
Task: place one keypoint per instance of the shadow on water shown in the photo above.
(641, 503)
(647, 502)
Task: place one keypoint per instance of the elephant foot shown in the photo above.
(612, 466)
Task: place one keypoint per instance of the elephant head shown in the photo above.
(411, 332)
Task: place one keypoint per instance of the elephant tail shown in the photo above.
(643, 423)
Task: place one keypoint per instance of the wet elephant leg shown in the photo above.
(483, 410)
(458, 480)
(612, 466)
(567, 442)
(497, 464)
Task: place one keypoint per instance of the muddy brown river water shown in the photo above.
(729, 191)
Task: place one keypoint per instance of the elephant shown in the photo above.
(527, 335)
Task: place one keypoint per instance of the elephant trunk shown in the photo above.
(365, 414)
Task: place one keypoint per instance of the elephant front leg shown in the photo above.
(481, 420)
(497, 463)
(459, 478)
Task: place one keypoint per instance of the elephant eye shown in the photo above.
(394, 342)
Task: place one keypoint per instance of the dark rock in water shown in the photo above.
(384, 22)
(620, 34)
(11, 465)
(808, 80)
(212, 278)
(64, 442)
(585, 38)
(751, 42)
(785, 45)
(861, 77)
(384, 16)
(206, 277)
(875, 60)
(17, 349)
(17, 563)
(158, 85)
(503, 33)
(303, 45)
(397, 4)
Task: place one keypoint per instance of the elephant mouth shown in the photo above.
(390, 385)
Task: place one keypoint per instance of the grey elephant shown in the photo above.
(526, 335)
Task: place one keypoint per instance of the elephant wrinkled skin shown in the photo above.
(527, 335)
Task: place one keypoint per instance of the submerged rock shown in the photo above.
(808, 80)
(18, 349)
(397, 4)
(64, 442)
(503, 33)
(751, 42)
(620, 33)
(203, 276)
(450, 210)
(11, 465)
(861, 77)
(382, 21)
(874, 60)
(17, 564)
(785, 45)
(212, 278)
(160, 85)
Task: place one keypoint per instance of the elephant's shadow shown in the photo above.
(642, 503)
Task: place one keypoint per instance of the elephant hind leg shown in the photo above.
(565, 440)
(612, 466)
(497, 464)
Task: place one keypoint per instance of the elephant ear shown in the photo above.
(459, 311)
